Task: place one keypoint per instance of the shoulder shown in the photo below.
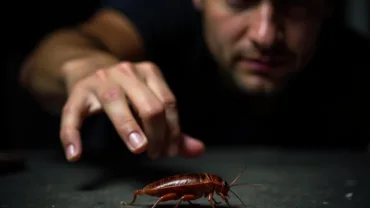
(158, 22)
(341, 56)
(337, 81)
(345, 56)
(339, 41)
(170, 31)
(153, 13)
(162, 31)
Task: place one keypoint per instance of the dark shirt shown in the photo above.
(325, 105)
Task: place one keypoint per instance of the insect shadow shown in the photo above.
(115, 168)
(185, 205)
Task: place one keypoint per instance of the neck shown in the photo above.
(258, 105)
(261, 105)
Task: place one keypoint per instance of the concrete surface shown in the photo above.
(290, 179)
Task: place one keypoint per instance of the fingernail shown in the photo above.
(136, 140)
(71, 151)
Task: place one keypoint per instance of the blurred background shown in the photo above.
(28, 21)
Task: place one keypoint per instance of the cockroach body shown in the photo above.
(189, 187)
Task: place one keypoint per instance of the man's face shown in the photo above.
(261, 43)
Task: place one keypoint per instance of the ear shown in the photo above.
(198, 4)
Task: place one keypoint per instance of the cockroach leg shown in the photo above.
(133, 199)
(192, 204)
(216, 202)
(211, 200)
(228, 203)
(167, 197)
(187, 197)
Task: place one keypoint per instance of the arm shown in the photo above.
(60, 73)
(101, 41)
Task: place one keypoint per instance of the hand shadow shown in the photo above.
(112, 158)
(116, 168)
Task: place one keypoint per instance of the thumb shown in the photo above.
(191, 147)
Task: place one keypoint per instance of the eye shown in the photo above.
(240, 4)
(224, 183)
(297, 9)
(297, 3)
(235, 3)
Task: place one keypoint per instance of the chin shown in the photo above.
(256, 85)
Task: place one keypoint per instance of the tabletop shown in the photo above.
(289, 178)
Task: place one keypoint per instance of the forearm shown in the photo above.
(45, 72)
(67, 55)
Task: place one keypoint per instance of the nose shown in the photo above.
(263, 30)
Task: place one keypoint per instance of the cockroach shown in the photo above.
(189, 187)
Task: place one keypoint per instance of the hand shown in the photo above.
(116, 89)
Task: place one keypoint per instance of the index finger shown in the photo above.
(73, 113)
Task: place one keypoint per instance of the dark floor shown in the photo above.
(290, 179)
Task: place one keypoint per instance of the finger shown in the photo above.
(147, 105)
(159, 87)
(73, 113)
(115, 105)
(191, 147)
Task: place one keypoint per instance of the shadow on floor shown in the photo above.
(141, 174)
(183, 205)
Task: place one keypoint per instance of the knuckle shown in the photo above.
(152, 111)
(127, 125)
(66, 109)
(125, 64)
(101, 74)
(175, 132)
(110, 94)
(169, 101)
(126, 68)
(65, 134)
(149, 66)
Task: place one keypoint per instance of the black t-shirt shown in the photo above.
(326, 104)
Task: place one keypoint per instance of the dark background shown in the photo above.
(29, 21)
(26, 125)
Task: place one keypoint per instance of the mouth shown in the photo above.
(261, 64)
